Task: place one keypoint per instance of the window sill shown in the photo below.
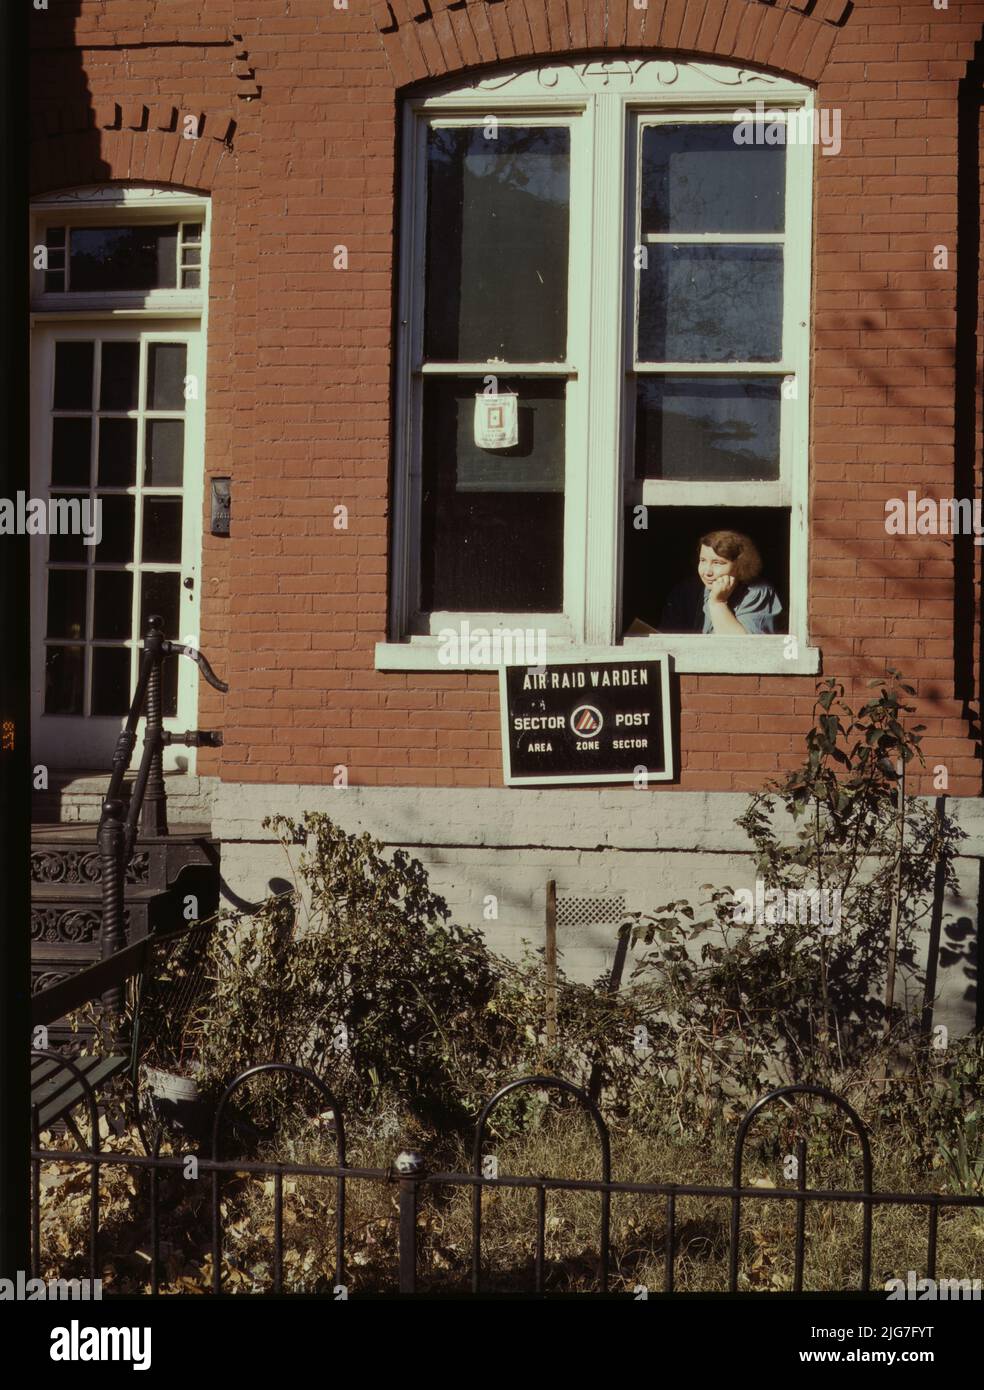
(726, 656)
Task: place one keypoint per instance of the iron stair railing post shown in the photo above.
(112, 936)
(116, 836)
(153, 815)
(128, 734)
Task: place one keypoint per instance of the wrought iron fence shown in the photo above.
(409, 1174)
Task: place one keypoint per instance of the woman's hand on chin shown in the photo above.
(722, 588)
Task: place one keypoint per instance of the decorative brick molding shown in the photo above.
(80, 144)
(426, 39)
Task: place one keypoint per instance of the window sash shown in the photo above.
(108, 206)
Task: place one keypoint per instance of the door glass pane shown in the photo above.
(165, 376)
(169, 688)
(120, 375)
(141, 257)
(112, 612)
(73, 376)
(699, 429)
(63, 671)
(68, 546)
(117, 531)
(110, 680)
(66, 603)
(711, 304)
(493, 519)
(117, 452)
(696, 178)
(162, 529)
(164, 453)
(71, 443)
(497, 244)
(161, 594)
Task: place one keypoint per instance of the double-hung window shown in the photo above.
(614, 257)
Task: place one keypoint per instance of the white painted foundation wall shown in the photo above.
(645, 847)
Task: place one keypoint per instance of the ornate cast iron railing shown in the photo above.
(117, 834)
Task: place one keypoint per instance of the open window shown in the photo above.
(616, 256)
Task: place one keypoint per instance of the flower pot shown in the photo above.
(177, 1100)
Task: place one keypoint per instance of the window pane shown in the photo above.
(711, 304)
(66, 603)
(164, 453)
(697, 429)
(117, 531)
(161, 593)
(71, 438)
(117, 452)
(162, 529)
(497, 233)
(493, 519)
(112, 615)
(165, 376)
(73, 376)
(63, 680)
(119, 376)
(695, 178)
(123, 258)
(68, 546)
(110, 680)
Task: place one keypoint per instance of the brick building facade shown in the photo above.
(284, 129)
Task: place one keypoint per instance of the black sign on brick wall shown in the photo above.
(591, 721)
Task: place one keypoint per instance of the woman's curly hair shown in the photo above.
(734, 545)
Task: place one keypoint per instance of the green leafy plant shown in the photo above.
(734, 1001)
(361, 975)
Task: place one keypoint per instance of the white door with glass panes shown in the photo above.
(117, 420)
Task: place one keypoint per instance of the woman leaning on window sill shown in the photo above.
(726, 596)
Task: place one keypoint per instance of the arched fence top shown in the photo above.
(824, 1093)
(545, 1083)
(290, 1069)
(88, 1094)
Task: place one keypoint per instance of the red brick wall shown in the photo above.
(299, 362)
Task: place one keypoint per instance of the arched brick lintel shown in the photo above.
(135, 144)
(428, 39)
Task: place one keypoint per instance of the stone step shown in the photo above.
(73, 796)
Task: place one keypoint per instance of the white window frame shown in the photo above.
(112, 203)
(603, 103)
(153, 315)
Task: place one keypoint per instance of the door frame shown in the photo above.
(56, 738)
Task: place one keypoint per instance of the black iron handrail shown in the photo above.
(116, 836)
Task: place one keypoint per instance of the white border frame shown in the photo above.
(610, 779)
(607, 93)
